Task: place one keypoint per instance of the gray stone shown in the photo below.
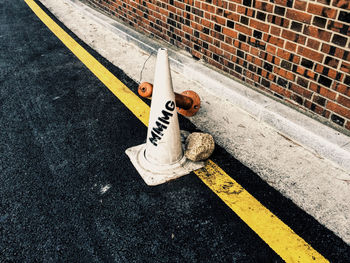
(199, 146)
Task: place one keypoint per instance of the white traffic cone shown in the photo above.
(161, 158)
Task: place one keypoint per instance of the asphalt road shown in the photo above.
(68, 192)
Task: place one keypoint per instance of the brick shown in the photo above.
(280, 21)
(254, 51)
(332, 73)
(216, 50)
(187, 29)
(229, 32)
(171, 9)
(241, 9)
(332, 62)
(228, 48)
(245, 47)
(233, 16)
(337, 119)
(207, 15)
(207, 23)
(275, 30)
(344, 16)
(271, 49)
(311, 54)
(281, 2)
(338, 27)
(312, 43)
(326, 92)
(291, 46)
(325, 2)
(344, 101)
(327, 82)
(208, 8)
(299, 4)
(310, 74)
(219, 20)
(180, 5)
(227, 55)
(296, 26)
(273, 59)
(216, 64)
(299, 16)
(283, 54)
(322, 10)
(345, 67)
(218, 35)
(318, 109)
(236, 43)
(249, 58)
(345, 4)
(289, 75)
(326, 49)
(317, 33)
(250, 12)
(321, 103)
(232, 6)
(288, 56)
(206, 38)
(271, 77)
(281, 91)
(314, 87)
(285, 74)
(222, 4)
(243, 29)
(335, 51)
(258, 25)
(301, 91)
(319, 21)
(339, 40)
(341, 88)
(289, 35)
(319, 68)
(300, 70)
(303, 82)
(340, 53)
(344, 112)
(263, 6)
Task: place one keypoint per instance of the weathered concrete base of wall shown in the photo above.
(305, 160)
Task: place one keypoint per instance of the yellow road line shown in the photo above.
(270, 228)
(283, 240)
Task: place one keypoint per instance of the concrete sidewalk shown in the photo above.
(254, 129)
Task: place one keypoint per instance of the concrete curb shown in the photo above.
(315, 136)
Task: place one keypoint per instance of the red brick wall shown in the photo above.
(296, 50)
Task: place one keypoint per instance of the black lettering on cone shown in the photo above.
(162, 122)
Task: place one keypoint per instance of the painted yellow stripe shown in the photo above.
(271, 229)
(288, 245)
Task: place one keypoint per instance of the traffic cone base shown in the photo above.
(155, 174)
(161, 158)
